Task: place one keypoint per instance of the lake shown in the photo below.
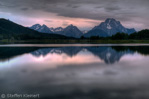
(75, 71)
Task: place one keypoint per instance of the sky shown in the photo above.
(85, 14)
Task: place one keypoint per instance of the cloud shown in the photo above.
(124, 10)
(93, 22)
(24, 9)
(73, 6)
(112, 8)
(65, 24)
(48, 20)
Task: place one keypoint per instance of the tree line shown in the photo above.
(141, 35)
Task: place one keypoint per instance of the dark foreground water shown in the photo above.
(74, 71)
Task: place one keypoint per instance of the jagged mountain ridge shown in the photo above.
(56, 30)
(70, 31)
(45, 29)
(42, 29)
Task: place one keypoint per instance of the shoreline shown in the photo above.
(68, 45)
(75, 42)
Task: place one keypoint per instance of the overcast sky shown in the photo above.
(83, 13)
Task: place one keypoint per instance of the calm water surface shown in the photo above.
(75, 71)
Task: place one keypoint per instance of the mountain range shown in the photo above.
(70, 31)
(108, 28)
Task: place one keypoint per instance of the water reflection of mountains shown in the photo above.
(108, 54)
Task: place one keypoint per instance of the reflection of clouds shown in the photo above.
(109, 72)
(67, 79)
(63, 59)
(135, 57)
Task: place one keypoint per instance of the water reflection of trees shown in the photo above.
(144, 50)
(9, 52)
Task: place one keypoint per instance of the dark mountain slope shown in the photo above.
(20, 32)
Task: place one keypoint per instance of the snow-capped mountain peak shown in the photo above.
(42, 29)
(58, 29)
(109, 28)
(36, 26)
